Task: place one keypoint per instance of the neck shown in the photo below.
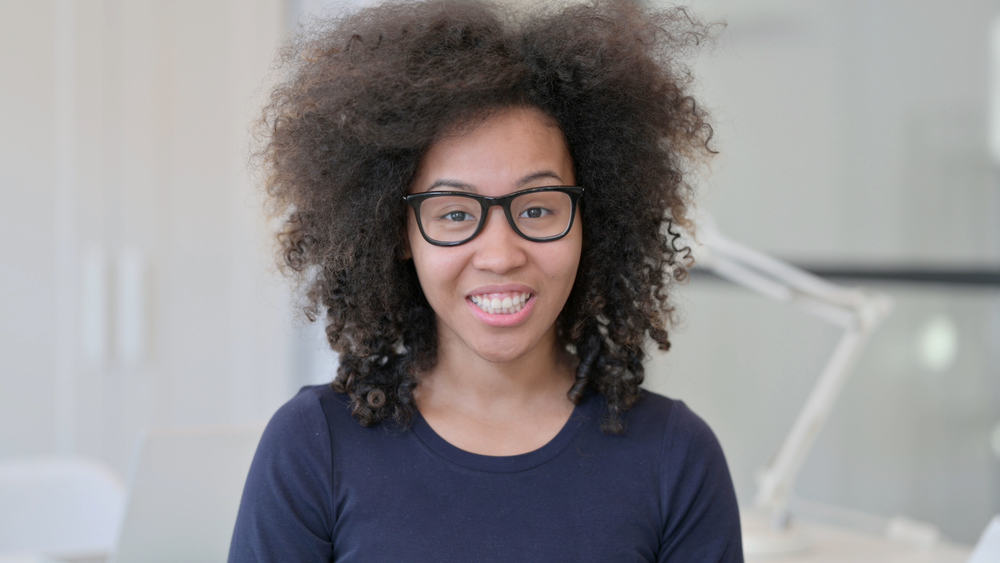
(542, 376)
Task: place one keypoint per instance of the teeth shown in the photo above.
(501, 303)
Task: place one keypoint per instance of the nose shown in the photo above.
(498, 248)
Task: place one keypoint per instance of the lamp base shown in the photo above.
(762, 537)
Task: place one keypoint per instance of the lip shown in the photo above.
(503, 320)
(499, 319)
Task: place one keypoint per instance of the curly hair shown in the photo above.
(368, 93)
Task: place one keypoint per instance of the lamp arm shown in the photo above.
(856, 311)
(778, 478)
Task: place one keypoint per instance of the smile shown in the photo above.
(500, 303)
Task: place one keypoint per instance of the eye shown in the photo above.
(458, 216)
(535, 212)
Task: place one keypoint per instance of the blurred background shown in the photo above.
(858, 139)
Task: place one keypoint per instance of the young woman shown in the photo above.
(480, 201)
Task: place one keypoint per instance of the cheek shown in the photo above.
(437, 268)
(561, 265)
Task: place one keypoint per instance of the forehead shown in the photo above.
(496, 154)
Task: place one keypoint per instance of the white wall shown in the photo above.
(137, 288)
(854, 130)
(27, 177)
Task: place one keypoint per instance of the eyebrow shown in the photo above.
(452, 184)
(455, 184)
(537, 176)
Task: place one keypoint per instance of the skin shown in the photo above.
(497, 390)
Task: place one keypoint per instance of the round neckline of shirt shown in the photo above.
(506, 463)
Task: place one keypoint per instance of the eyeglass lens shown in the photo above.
(454, 218)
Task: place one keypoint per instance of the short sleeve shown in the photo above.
(702, 518)
(285, 513)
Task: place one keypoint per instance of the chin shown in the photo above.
(499, 357)
(502, 354)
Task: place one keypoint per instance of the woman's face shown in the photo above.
(515, 149)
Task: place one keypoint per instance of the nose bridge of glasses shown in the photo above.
(498, 247)
(497, 206)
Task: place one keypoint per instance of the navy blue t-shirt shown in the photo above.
(323, 488)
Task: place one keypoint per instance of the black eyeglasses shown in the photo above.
(538, 214)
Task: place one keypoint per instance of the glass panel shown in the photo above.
(542, 214)
(450, 218)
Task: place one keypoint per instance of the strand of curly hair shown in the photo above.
(367, 94)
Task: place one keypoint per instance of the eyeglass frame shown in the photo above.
(487, 202)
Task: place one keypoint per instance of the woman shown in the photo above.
(480, 202)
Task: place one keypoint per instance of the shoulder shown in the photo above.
(697, 500)
(671, 422)
(295, 453)
(296, 441)
(662, 433)
(286, 512)
(316, 427)
(305, 418)
(684, 439)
